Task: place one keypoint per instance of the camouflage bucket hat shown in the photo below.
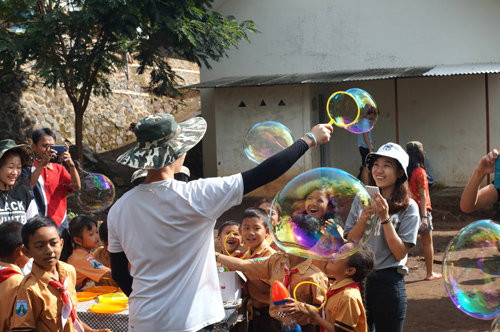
(24, 150)
(161, 141)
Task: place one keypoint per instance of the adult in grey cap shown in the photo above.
(164, 227)
(16, 199)
(395, 233)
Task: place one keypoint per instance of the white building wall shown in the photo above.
(331, 35)
(228, 125)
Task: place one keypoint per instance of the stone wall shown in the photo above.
(31, 106)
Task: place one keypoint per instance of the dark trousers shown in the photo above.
(385, 301)
(262, 321)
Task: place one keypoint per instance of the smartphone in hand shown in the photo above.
(59, 149)
(496, 181)
(372, 190)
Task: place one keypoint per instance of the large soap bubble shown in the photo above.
(97, 193)
(471, 269)
(353, 109)
(266, 139)
(318, 207)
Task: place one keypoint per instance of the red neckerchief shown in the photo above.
(6, 273)
(68, 310)
(332, 292)
(288, 275)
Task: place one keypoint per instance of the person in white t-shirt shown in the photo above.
(164, 227)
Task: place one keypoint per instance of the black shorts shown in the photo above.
(363, 152)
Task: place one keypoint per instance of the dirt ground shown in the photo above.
(429, 306)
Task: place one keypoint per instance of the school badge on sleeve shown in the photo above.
(21, 307)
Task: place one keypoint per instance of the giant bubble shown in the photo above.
(318, 208)
(265, 139)
(471, 269)
(97, 193)
(354, 110)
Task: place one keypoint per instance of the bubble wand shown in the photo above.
(332, 118)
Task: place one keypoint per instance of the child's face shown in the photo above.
(338, 268)
(253, 231)
(385, 172)
(274, 214)
(233, 240)
(90, 237)
(316, 204)
(45, 247)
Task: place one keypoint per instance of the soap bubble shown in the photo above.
(471, 269)
(495, 326)
(353, 109)
(317, 208)
(266, 139)
(97, 193)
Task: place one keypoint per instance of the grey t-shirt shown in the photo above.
(406, 223)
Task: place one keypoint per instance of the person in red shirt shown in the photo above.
(50, 180)
(419, 189)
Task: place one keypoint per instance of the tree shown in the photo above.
(74, 44)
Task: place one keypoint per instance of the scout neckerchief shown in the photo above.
(68, 310)
(6, 273)
(332, 292)
(288, 275)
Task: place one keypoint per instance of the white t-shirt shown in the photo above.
(166, 230)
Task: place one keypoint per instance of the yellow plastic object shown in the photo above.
(101, 289)
(118, 297)
(332, 120)
(107, 308)
(86, 296)
(312, 283)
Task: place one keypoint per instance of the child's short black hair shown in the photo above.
(10, 238)
(256, 212)
(39, 133)
(363, 261)
(225, 224)
(103, 232)
(33, 224)
(76, 227)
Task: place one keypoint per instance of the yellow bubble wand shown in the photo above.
(312, 283)
(332, 119)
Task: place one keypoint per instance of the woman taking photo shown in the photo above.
(395, 233)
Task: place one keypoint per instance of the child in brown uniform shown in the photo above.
(289, 269)
(12, 260)
(46, 298)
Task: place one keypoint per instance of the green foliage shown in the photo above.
(75, 43)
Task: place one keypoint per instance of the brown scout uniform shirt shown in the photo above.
(273, 269)
(8, 291)
(259, 289)
(42, 303)
(86, 266)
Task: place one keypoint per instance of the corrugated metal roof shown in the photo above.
(348, 76)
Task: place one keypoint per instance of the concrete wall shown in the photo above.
(447, 114)
(228, 125)
(330, 35)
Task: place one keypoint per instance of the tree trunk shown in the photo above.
(79, 135)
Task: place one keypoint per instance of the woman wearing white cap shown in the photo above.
(395, 233)
(16, 200)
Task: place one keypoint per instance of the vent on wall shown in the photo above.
(262, 103)
(281, 103)
(242, 104)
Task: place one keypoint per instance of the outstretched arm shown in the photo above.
(275, 166)
(474, 198)
(231, 262)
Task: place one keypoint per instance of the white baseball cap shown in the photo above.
(391, 150)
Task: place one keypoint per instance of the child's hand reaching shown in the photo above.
(291, 307)
(311, 312)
